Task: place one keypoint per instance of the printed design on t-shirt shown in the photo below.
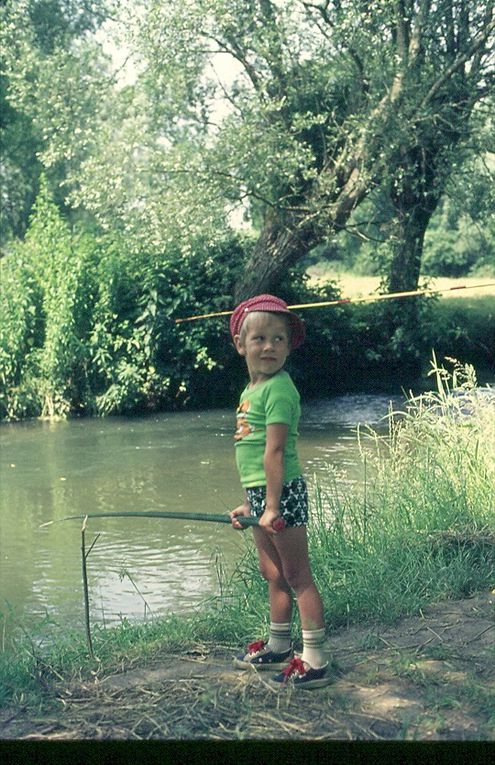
(243, 426)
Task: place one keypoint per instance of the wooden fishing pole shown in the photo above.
(342, 301)
(244, 520)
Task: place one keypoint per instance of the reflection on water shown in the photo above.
(348, 410)
(178, 461)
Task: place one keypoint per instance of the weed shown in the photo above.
(370, 641)
(439, 652)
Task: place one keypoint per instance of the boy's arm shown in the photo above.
(273, 462)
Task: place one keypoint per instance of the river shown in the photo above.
(172, 461)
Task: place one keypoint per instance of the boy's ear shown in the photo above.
(239, 345)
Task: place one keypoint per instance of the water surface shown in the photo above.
(173, 461)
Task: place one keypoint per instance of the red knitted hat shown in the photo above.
(273, 305)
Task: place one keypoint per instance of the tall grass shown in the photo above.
(421, 528)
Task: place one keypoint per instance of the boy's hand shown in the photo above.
(239, 511)
(272, 522)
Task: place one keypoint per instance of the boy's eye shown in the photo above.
(262, 338)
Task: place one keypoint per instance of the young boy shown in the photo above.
(264, 332)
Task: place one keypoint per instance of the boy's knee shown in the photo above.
(265, 573)
(270, 573)
(297, 579)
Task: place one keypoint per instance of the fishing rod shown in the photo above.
(244, 520)
(342, 301)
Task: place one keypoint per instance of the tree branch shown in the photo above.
(456, 65)
(415, 42)
(402, 31)
(236, 52)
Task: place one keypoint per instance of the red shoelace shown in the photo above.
(258, 645)
(296, 665)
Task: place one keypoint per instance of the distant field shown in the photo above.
(358, 286)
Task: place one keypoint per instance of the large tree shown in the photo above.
(446, 79)
(48, 80)
(327, 101)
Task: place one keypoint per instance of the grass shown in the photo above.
(420, 530)
(355, 285)
(423, 527)
(33, 661)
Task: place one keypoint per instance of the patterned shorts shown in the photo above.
(293, 502)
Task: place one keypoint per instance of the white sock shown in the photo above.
(313, 651)
(279, 639)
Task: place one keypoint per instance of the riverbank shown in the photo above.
(390, 556)
(429, 677)
(144, 362)
(459, 324)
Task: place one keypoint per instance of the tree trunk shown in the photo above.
(279, 246)
(414, 198)
(408, 235)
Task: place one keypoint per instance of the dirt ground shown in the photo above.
(430, 677)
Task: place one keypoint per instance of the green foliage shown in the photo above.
(457, 244)
(465, 329)
(92, 328)
(87, 326)
(386, 342)
(140, 358)
(41, 338)
(52, 83)
(20, 301)
(460, 238)
(150, 172)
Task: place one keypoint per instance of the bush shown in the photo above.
(457, 248)
(45, 305)
(87, 324)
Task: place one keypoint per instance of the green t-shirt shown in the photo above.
(275, 401)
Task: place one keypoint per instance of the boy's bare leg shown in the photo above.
(281, 597)
(292, 548)
(284, 562)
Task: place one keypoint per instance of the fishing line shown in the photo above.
(343, 301)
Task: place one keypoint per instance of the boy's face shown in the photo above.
(265, 345)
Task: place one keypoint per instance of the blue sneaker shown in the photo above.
(300, 675)
(261, 657)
